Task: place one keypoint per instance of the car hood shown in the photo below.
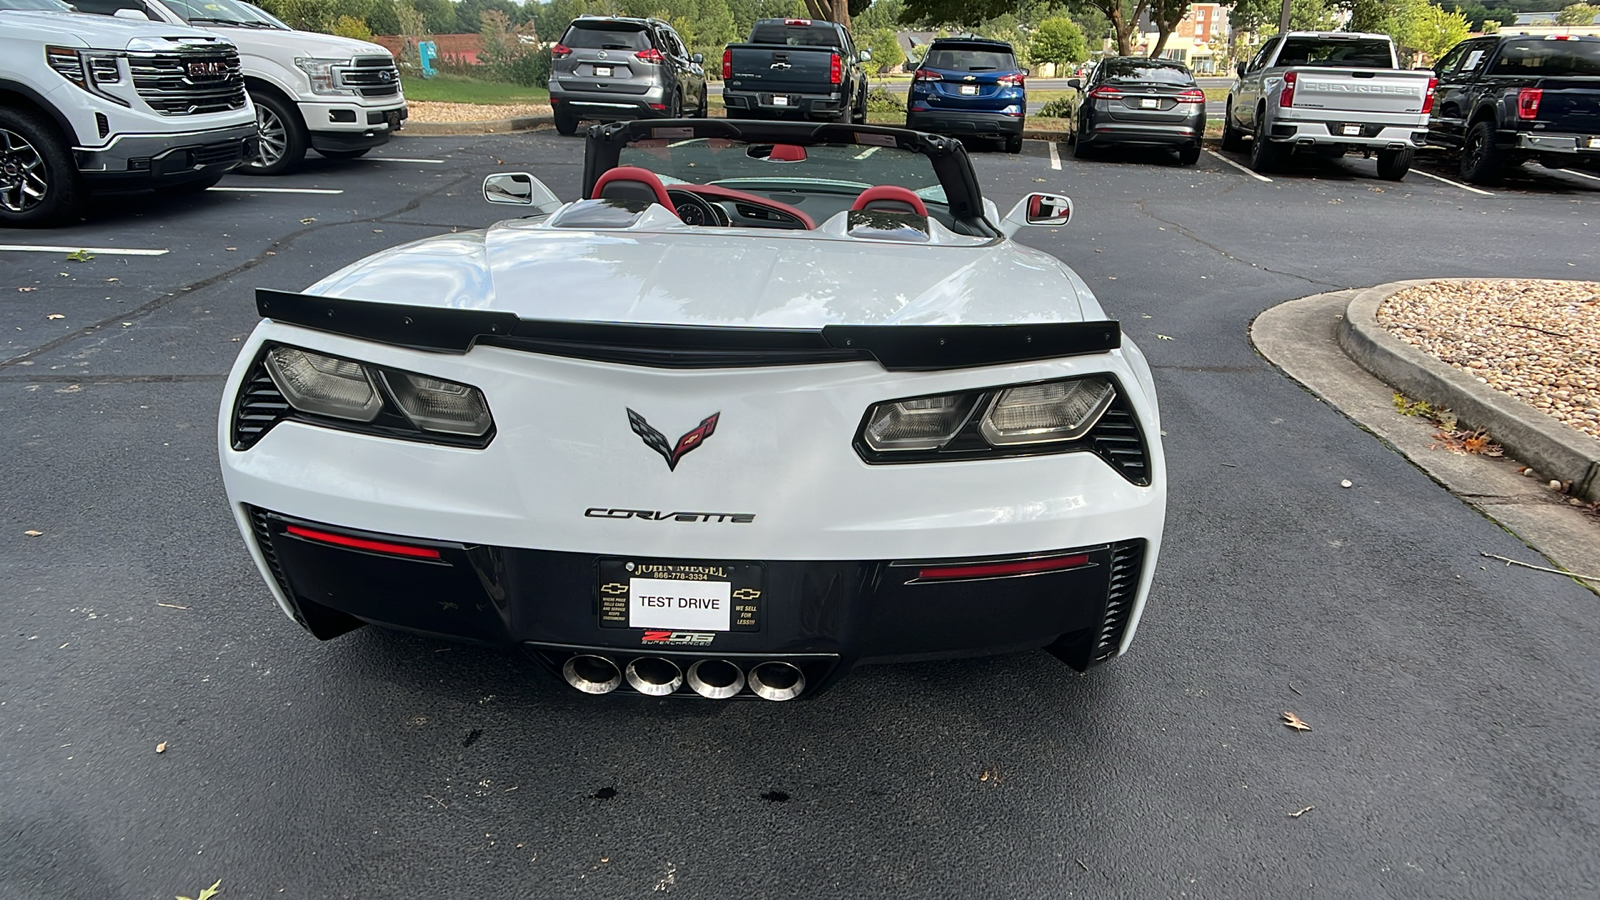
(300, 43)
(93, 32)
(716, 277)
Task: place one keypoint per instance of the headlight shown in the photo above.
(87, 69)
(1053, 411)
(324, 80)
(394, 403)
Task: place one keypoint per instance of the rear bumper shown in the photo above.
(808, 106)
(1585, 145)
(613, 105)
(1104, 132)
(941, 121)
(1366, 135)
(154, 160)
(825, 615)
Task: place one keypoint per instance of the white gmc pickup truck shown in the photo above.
(1335, 92)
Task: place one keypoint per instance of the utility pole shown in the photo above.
(1283, 20)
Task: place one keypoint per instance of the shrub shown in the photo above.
(1059, 108)
(352, 27)
(883, 100)
(507, 58)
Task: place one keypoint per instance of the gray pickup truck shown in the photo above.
(1333, 92)
(795, 68)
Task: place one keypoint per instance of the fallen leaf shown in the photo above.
(230, 248)
(27, 290)
(31, 533)
(207, 893)
(113, 279)
(55, 316)
(161, 747)
(307, 221)
(80, 256)
(1347, 483)
(1293, 721)
(1298, 813)
(1163, 337)
(171, 605)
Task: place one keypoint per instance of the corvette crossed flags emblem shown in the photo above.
(657, 441)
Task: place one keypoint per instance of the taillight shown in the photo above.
(1010, 80)
(651, 56)
(1528, 102)
(727, 64)
(1193, 95)
(1287, 97)
(1104, 92)
(1427, 102)
(969, 571)
(560, 51)
(925, 75)
(836, 69)
(355, 543)
(802, 22)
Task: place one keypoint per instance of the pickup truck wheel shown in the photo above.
(1481, 162)
(1232, 138)
(1264, 154)
(1394, 164)
(39, 184)
(281, 137)
(858, 115)
(566, 121)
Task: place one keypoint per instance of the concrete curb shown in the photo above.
(1551, 448)
(487, 126)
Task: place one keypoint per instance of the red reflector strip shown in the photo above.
(355, 543)
(990, 570)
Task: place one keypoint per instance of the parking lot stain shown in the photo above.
(775, 797)
(472, 737)
(605, 793)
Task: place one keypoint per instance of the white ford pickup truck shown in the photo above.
(1335, 92)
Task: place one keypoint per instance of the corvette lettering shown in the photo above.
(656, 515)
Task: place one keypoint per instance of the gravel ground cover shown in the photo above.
(435, 111)
(1538, 341)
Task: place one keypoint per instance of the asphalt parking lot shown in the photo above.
(1452, 751)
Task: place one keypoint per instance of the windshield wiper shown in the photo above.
(215, 21)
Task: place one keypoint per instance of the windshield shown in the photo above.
(219, 12)
(47, 5)
(842, 169)
(1142, 71)
(1549, 58)
(969, 59)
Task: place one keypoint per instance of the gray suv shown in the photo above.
(614, 68)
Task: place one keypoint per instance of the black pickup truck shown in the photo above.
(795, 68)
(1505, 99)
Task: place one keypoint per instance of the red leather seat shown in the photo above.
(890, 198)
(631, 183)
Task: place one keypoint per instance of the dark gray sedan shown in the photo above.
(1136, 100)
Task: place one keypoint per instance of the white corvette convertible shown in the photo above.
(770, 400)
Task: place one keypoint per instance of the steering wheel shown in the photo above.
(695, 210)
(785, 216)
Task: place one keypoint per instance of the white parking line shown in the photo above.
(1055, 158)
(1580, 174)
(269, 190)
(402, 159)
(1230, 162)
(105, 251)
(1451, 183)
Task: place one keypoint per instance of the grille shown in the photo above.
(225, 152)
(263, 532)
(372, 77)
(1116, 439)
(185, 84)
(1127, 560)
(260, 407)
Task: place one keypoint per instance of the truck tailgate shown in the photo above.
(781, 68)
(1381, 91)
(1570, 105)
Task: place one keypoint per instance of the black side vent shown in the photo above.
(263, 531)
(102, 124)
(1116, 439)
(260, 407)
(1127, 562)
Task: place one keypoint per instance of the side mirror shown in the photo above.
(865, 54)
(1075, 83)
(136, 15)
(697, 58)
(519, 189)
(1048, 210)
(1239, 67)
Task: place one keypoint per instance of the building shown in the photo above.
(1198, 42)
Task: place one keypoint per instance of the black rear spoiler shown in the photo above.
(898, 348)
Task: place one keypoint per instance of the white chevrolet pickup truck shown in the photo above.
(89, 103)
(337, 96)
(1334, 92)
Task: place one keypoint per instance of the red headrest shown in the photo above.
(787, 153)
(634, 174)
(891, 193)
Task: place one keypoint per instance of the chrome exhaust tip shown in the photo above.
(715, 679)
(777, 680)
(654, 676)
(591, 674)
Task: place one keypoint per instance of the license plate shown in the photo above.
(602, 71)
(969, 89)
(1594, 143)
(680, 596)
(1149, 103)
(1352, 129)
(780, 101)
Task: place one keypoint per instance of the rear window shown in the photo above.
(1352, 54)
(1549, 58)
(813, 35)
(1138, 71)
(606, 36)
(969, 59)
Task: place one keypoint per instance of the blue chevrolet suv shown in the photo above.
(969, 86)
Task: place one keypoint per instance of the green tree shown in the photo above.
(1166, 14)
(351, 27)
(1058, 40)
(886, 52)
(1577, 14)
(1429, 30)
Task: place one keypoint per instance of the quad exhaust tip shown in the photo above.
(715, 679)
(654, 676)
(777, 680)
(592, 674)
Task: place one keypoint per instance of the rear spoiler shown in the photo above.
(898, 348)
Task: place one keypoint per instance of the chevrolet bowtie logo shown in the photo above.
(613, 589)
(746, 594)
